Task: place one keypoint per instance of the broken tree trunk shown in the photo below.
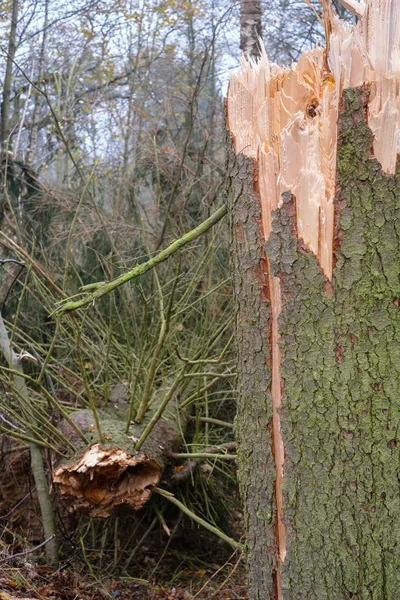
(315, 218)
(100, 477)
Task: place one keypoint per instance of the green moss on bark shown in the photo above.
(341, 378)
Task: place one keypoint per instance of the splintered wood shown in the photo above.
(103, 479)
(286, 120)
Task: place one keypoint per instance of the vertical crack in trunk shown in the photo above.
(279, 453)
(274, 292)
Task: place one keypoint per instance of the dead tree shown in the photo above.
(119, 470)
(315, 219)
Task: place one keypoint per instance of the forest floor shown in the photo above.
(42, 583)
(188, 563)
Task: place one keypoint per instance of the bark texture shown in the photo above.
(8, 78)
(254, 414)
(250, 27)
(340, 369)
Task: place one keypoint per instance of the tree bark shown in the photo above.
(5, 105)
(37, 98)
(254, 410)
(37, 464)
(319, 454)
(250, 27)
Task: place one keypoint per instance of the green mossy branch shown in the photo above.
(103, 288)
(198, 519)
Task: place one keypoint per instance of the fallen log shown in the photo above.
(101, 477)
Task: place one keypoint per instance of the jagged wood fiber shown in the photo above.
(340, 370)
(100, 478)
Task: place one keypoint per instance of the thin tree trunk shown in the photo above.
(6, 100)
(316, 268)
(250, 27)
(37, 465)
(36, 108)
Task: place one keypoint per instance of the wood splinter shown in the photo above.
(104, 479)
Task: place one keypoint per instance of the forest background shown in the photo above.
(112, 137)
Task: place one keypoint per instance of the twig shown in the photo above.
(141, 542)
(194, 458)
(211, 374)
(37, 465)
(85, 560)
(212, 421)
(205, 455)
(4, 560)
(157, 415)
(71, 230)
(198, 519)
(223, 584)
(193, 397)
(50, 399)
(3, 261)
(203, 297)
(30, 440)
(22, 448)
(216, 573)
(165, 322)
(69, 305)
(89, 394)
(2, 517)
(9, 243)
(14, 281)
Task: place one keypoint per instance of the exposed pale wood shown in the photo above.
(99, 478)
(285, 119)
(355, 7)
(371, 54)
(103, 479)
